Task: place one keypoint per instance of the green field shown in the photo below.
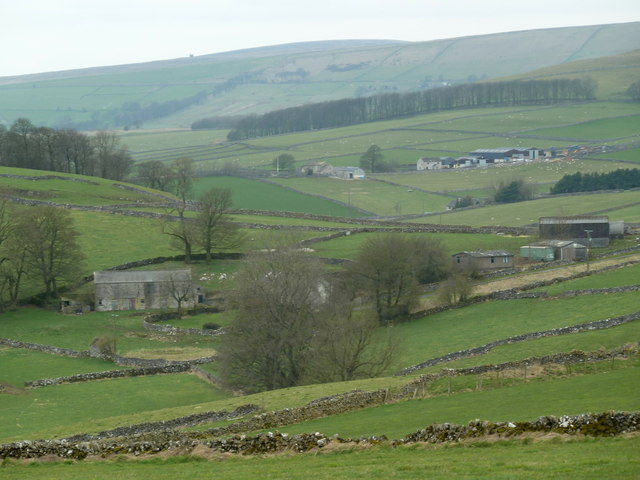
(260, 195)
(518, 460)
(527, 213)
(108, 239)
(348, 246)
(525, 401)
(62, 405)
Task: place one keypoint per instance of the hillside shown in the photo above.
(174, 93)
(613, 74)
(45, 395)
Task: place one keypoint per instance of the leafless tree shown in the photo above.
(51, 249)
(182, 230)
(215, 230)
(277, 301)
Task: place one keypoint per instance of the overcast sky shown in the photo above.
(51, 35)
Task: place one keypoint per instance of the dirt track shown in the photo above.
(559, 272)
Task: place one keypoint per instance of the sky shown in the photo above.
(51, 35)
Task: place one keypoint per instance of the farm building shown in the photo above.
(550, 250)
(349, 173)
(482, 261)
(139, 290)
(429, 164)
(317, 168)
(585, 229)
(507, 154)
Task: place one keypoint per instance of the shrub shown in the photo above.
(105, 345)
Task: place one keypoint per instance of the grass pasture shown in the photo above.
(348, 246)
(618, 206)
(546, 459)
(76, 332)
(479, 324)
(609, 390)
(628, 333)
(258, 195)
(59, 407)
(19, 366)
(69, 188)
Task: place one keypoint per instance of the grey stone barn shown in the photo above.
(141, 290)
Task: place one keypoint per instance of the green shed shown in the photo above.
(537, 253)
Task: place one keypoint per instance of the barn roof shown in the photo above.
(142, 276)
(486, 253)
(574, 219)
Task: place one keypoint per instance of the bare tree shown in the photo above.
(182, 230)
(214, 227)
(278, 298)
(181, 289)
(349, 343)
(455, 289)
(112, 159)
(389, 268)
(50, 246)
(155, 174)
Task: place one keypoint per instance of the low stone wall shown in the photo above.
(570, 358)
(597, 325)
(88, 377)
(319, 408)
(171, 330)
(117, 359)
(596, 425)
(187, 421)
(64, 352)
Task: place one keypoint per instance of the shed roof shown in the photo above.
(142, 276)
(557, 244)
(574, 219)
(486, 253)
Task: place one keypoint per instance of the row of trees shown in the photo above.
(513, 191)
(296, 323)
(620, 179)
(24, 145)
(37, 245)
(352, 111)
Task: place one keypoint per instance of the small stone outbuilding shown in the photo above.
(149, 289)
(483, 260)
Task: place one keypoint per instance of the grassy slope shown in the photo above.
(527, 213)
(525, 401)
(611, 73)
(515, 460)
(406, 66)
(446, 133)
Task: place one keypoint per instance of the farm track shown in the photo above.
(563, 272)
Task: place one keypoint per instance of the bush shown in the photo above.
(105, 345)
(210, 326)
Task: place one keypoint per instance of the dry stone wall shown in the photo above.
(597, 325)
(570, 358)
(604, 424)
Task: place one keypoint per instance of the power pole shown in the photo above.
(588, 232)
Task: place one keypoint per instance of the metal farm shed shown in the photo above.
(585, 229)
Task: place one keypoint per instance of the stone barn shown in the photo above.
(141, 290)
